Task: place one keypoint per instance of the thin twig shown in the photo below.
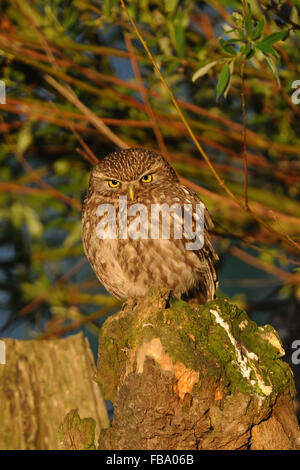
(63, 197)
(95, 120)
(275, 217)
(244, 134)
(244, 118)
(256, 262)
(92, 157)
(144, 94)
(77, 323)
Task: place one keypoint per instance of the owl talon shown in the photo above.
(167, 305)
(132, 303)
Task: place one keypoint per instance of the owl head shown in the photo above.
(132, 172)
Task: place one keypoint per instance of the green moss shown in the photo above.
(218, 339)
(76, 433)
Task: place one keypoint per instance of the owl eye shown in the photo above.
(114, 183)
(146, 179)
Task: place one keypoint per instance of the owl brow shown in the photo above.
(104, 177)
(148, 172)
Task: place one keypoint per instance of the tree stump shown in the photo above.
(190, 377)
(40, 382)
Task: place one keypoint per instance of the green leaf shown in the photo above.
(275, 37)
(180, 39)
(273, 67)
(297, 5)
(226, 45)
(258, 29)
(107, 5)
(248, 51)
(24, 139)
(266, 44)
(231, 68)
(249, 25)
(170, 5)
(223, 80)
(203, 70)
(241, 34)
(266, 48)
(34, 225)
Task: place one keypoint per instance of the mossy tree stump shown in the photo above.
(194, 377)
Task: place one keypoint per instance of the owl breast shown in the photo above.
(130, 270)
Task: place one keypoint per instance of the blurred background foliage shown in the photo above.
(79, 84)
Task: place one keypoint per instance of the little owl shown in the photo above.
(130, 266)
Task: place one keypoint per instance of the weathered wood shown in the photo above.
(194, 377)
(39, 384)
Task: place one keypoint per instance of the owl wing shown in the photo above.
(207, 281)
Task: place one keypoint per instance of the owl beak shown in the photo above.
(131, 191)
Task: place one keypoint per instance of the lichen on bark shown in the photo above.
(189, 376)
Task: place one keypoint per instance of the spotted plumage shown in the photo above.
(130, 267)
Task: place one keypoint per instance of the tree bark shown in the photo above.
(40, 382)
(194, 377)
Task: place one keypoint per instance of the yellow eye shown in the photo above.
(114, 183)
(146, 179)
